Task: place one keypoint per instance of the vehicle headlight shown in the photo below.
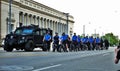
(11, 37)
(23, 38)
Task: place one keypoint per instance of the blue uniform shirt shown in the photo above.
(78, 39)
(86, 39)
(97, 40)
(91, 40)
(64, 37)
(83, 40)
(74, 38)
(56, 39)
(47, 37)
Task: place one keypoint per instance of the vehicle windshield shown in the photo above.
(24, 31)
(43, 32)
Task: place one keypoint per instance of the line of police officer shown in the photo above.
(76, 43)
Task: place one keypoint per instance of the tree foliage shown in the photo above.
(113, 40)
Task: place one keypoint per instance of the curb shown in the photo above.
(1, 48)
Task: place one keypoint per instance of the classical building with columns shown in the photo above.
(31, 12)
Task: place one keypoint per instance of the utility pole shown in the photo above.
(10, 28)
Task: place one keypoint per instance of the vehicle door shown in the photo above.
(37, 37)
(42, 34)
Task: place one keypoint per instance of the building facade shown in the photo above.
(31, 12)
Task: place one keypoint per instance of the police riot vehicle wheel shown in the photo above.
(29, 46)
(7, 48)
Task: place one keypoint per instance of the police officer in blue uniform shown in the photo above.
(47, 39)
(74, 41)
(90, 41)
(64, 40)
(56, 42)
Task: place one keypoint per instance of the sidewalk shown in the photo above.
(110, 48)
(1, 48)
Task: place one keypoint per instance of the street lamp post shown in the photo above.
(95, 33)
(67, 21)
(10, 28)
(84, 30)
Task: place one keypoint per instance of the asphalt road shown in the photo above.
(53, 61)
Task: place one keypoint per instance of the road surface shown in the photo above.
(102, 60)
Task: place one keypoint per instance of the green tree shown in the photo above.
(113, 40)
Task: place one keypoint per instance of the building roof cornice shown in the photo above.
(41, 8)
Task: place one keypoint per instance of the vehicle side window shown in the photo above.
(37, 33)
(43, 32)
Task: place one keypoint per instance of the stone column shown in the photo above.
(51, 24)
(23, 18)
(60, 28)
(33, 20)
(45, 21)
(20, 17)
(55, 26)
(30, 19)
(48, 23)
(64, 28)
(38, 21)
(41, 22)
(26, 19)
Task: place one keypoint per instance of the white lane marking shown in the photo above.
(106, 54)
(44, 68)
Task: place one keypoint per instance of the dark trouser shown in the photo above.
(55, 46)
(48, 45)
(75, 43)
(118, 55)
(64, 47)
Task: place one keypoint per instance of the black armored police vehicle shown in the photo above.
(26, 38)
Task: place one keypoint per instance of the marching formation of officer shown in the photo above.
(78, 43)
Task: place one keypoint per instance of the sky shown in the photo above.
(100, 15)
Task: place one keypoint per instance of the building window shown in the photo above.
(30, 4)
(21, 1)
(26, 2)
(38, 7)
(41, 8)
(34, 5)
